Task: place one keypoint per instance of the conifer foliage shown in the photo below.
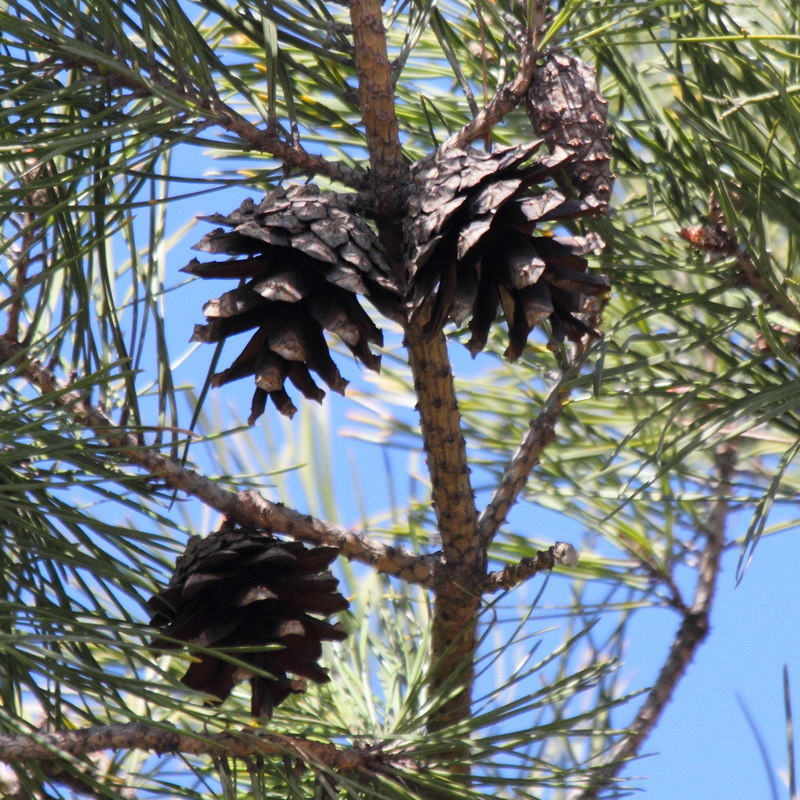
(407, 179)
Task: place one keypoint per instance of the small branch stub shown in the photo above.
(565, 555)
(561, 554)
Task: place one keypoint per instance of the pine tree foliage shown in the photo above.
(121, 121)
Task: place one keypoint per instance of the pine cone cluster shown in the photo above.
(303, 257)
(243, 590)
(475, 247)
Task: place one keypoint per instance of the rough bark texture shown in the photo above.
(389, 173)
(457, 598)
(540, 433)
(513, 574)
(161, 739)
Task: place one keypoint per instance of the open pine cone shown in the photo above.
(471, 228)
(241, 589)
(304, 257)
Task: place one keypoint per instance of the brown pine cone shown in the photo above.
(472, 225)
(304, 256)
(243, 591)
(567, 109)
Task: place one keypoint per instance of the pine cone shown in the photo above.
(472, 219)
(242, 590)
(567, 110)
(306, 257)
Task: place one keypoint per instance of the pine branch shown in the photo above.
(457, 598)
(247, 508)
(160, 739)
(692, 632)
(292, 154)
(21, 254)
(719, 241)
(389, 172)
(456, 602)
(397, 561)
(212, 110)
(375, 92)
(505, 100)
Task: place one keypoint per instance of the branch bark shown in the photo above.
(389, 173)
(162, 739)
(457, 598)
(561, 553)
(375, 92)
(505, 100)
(248, 508)
(540, 433)
(457, 595)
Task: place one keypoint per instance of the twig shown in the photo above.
(21, 256)
(763, 286)
(719, 242)
(216, 111)
(267, 140)
(244, 507)
(397, 561)
(505, 100)
(693, 630)
(540, 433)
(162, 739)
(561, 553)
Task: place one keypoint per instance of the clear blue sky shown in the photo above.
(704, 747)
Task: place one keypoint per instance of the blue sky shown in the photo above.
(704, 746)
